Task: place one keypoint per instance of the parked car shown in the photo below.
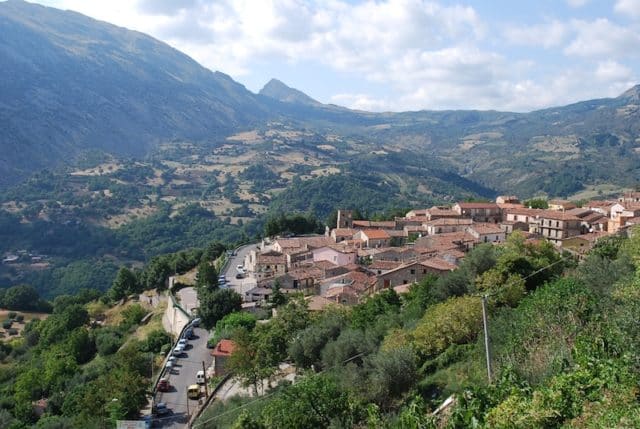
(239, 276)
(193, 391)
(183, 342)
(188, 333)
(164, 385)
(178, 350)
(161, 409)
(195, 322)
(200, 379)
(171, 362)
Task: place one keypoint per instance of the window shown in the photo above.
(413, 271)
(404, 282)
(557, 224)
(424, 271)
(295, 284)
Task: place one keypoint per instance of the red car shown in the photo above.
(163, 385)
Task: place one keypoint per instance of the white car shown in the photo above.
(171, 362)
(177, 351)
(183, 342)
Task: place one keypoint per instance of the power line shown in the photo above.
(270, 394)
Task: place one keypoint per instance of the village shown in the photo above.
(358, 258)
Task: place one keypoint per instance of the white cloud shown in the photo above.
(577, 3)
(602, 37)
(628, 7)
(547, 35)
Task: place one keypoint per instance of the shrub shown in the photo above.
(12, 331)
(6, 324)
(19, 318)
(12, 315)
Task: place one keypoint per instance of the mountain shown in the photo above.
(76, 83)
(279, 91)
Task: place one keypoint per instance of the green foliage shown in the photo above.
(538, 203)
(296, 224)
(124, 284)
(155, 341)
(24, 298)
(132, 315)
(381, 303)
(216, 304)
(455, 321)
(207, 276)
(306, 348)
(107, 342)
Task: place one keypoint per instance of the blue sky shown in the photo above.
(402, 55)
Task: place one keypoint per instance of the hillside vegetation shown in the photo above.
(563, 342)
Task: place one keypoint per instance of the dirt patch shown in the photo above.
(246, 137)
(98, 170)
(18, 326)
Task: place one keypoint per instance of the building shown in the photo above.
(561, 205)
(555, 226)
(345, 219)
(487, 232)
(445, 225)
(479, 212)
(413, 272)
(373, 238)
(221, 353)
(338, 255)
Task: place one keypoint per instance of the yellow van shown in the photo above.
(193, 391)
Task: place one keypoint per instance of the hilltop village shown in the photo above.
(357, 258)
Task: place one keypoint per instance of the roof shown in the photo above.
(271, 259)
(343, 232)
(319, 303)
(557, 215)
(442, 212)
(376, 234)
(401, 289)
(438, 264)
(524, 211)
(384, 265)
(373, 224)
(477, 205)
(417, 212)
(486, 228)
(224, 348)
(448, 222)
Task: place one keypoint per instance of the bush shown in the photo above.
(19, 318)
(12, 331)
(108, 342)
(6, 324)
(12, 315)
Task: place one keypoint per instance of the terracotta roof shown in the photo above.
(402, 289)
(557, 215)
(324, 265)
(373, 224)
(524, 211)
(581, 212)
(506, 206)
(449, 222)
(319, 303)
(477, 205)
(438, 264)
(486, 228)
(413, 219)
(396, 233)
(305, 273)
(384, 265)
(442, 212)
(343, 232)
(376, 234)
(271, 259)
(224, 348)
(418, 212)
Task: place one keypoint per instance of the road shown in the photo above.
(183, 375)
(239, 285)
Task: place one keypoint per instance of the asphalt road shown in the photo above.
(239, 285)
(182, 376)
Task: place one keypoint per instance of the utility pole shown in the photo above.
(206, 386)
(486, 336)
(187, 391)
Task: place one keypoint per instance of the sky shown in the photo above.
(399, 55)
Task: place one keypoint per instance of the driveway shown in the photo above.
(182, 376)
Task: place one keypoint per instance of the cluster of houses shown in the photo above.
(360, 257)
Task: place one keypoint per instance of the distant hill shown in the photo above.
(77, 84)
(279, 91)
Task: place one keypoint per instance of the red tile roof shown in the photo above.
(224, 348)
(478, 205)
(376, 234)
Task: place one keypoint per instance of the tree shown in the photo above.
(21, 297)
(125, 284)
(277, 298)
(455, 321)
(207, 276)
(214, 305)
(307, 345)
